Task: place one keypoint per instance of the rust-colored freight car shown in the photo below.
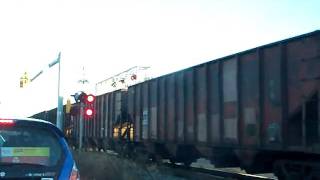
(110, 116)
(258, 108)
(109, 124)
(101, 130)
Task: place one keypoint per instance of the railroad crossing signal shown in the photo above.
(89, 100)
(86, 110)
(86, 101)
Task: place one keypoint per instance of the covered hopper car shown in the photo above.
(257, 109)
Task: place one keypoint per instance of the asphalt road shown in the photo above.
(102, 166)
(96, 166)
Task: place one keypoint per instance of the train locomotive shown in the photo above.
(257, 109)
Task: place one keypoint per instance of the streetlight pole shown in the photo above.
(60, 99)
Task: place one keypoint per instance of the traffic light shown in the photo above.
(24, 80)
(68, 106)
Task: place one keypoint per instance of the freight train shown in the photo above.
(257, 109)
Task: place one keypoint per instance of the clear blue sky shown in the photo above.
(108, 37)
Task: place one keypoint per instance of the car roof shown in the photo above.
(33, 121)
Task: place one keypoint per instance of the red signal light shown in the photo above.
(88, 112)
(90, 98)
(133, 77)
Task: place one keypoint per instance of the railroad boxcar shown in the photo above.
(101, 130)
(258, 109)
(109, 124)
(69, 124)
(110, 121)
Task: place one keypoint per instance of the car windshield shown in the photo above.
(29, 145)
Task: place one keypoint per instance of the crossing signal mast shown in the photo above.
(86, 110)
(84, 103)
(123, 80)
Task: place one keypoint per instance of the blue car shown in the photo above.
(34, 149)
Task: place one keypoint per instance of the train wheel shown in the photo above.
(172, 161)
(127, 151)
(156, 159)
(141, 156)
(187, 163)
(290, 170)
(278, 171)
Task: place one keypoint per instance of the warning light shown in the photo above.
(90, 98)
(88, 112)
(133, 77)
(87, 101)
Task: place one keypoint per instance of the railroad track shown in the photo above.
(202, 173)
(199, 173)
